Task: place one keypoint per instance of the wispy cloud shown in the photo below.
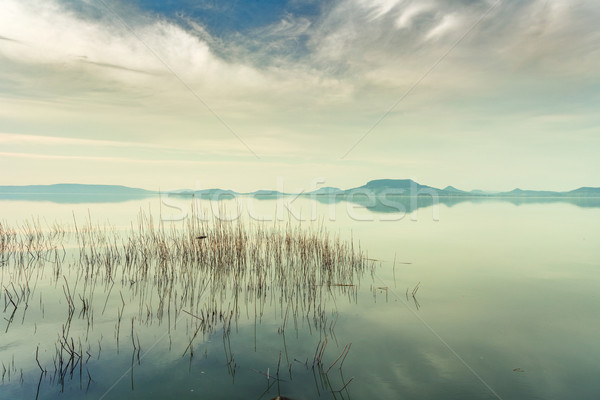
(38, 156)
(299, 86)
(354, 44)
(7, 39)
(20, 138)
(159, 150)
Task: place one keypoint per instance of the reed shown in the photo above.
(201, 273)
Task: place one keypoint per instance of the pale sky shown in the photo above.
(245, 94)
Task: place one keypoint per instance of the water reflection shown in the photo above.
(377, 203)
(191, 282)
(510, 287)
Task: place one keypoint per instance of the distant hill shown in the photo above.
(222, 193)
(409, 187)
(217, 193)
(452, 189)
(266, 193)
(404, 187)
(530, 193)
(327, 190)
(584, 192)
(482, 192)
(74, 193)
(71, 188)
(385, 184)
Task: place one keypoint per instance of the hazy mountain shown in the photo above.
(213, 193)
(266, 193)
(379, 185)
(327, 190)
(530, 193)
(73, 193)
(71, 188)
(452, 189)
(409, 187)
(404, 187)
(180, 191)
(584, 192)
(482, 192)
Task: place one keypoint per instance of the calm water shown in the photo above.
(507, 306)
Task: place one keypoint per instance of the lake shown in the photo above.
(475, 300)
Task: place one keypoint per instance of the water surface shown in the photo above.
(507, 307)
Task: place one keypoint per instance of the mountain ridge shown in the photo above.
(401, 187)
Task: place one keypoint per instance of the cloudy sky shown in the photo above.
(239, 94)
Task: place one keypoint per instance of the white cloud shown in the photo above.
(350, 48)
(296, 89)
(448, 23)
(19, 138)
(51, 36)
(412, 11)
(378, 8)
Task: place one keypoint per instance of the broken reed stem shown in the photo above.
(344, 387)
(37, 349)
(344, 359)
(346, 347)
(278, 364)
(416, 289)
(171, 268)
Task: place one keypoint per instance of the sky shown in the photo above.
(293, 94)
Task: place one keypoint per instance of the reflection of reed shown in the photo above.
(203, 273)
(414, 295)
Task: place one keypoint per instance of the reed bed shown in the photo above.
(202, 274)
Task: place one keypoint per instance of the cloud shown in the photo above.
(38, 156)
(192, 149)
(19, 138)
(448, 23)
(411, 12)
(353, 46)
(137, 55)
(301, 87)
(7, 39)
(378, 8)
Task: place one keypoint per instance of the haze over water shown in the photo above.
(458, 259)
(506, 301)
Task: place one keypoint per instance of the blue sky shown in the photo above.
(225, 17)
(240, 94)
